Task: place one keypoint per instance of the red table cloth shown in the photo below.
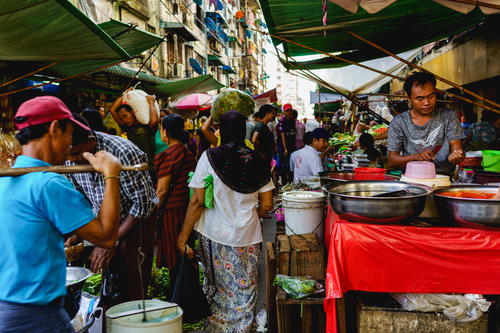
(380, 258)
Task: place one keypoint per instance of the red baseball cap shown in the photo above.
(287, 106)
(44, 109)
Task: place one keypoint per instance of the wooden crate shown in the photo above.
(271, 271)
(301, 255)
(305, 315)
(376, 319)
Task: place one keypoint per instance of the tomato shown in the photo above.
(468, 194)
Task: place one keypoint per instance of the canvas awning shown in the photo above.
(357, 80)
(400, 26)
(142, 76)
(228, 69)
(52, 30)
(133, 40)
(214, 60)
(186, 86)
(179, 29)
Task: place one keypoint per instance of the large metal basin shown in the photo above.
(352, 201)
(76, 276)
(468, 212)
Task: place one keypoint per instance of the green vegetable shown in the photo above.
(340, 139)
(93, 284)
(297, 286)
(160, 282)
(232, 99)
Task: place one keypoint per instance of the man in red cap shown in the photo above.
(37, 209)
(286, 132)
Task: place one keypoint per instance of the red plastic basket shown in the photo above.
(369, 174)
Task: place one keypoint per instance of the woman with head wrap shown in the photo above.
(230, 232)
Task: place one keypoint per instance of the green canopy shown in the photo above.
(403, 25)
(142, 76)
(186, 86)
(52, 30)
(133, 40)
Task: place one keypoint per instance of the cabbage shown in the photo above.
(232, 99)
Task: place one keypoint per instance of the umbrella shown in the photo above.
(194, 102)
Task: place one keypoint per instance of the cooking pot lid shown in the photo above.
(303, 196)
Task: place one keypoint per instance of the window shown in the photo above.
(151, 29)
(199, 17)
(175, 8)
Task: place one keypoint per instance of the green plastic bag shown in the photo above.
(298, 286)
(209, 190)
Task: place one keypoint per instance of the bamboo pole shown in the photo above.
(59, 80)
(29, 74)
(378, 47)
(63, 169)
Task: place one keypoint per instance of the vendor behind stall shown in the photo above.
(37, 209)
(425, 132)
(307, 162)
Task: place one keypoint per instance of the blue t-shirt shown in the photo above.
(36, 210)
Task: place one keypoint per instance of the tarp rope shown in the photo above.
(461, 88)
(484, 106)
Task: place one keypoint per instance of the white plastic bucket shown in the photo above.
(441, 181)
(304, 212)
(167, 320)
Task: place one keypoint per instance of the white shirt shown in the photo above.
(311, 125)
(305, 162)
(234, 220)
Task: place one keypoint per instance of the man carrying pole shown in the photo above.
(37, 209)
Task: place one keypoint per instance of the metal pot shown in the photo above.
(353, 201)
(468, 212)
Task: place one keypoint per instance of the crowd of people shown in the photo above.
(236, 164)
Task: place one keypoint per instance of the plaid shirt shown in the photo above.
(137, 194)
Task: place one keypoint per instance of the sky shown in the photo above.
(270, 68)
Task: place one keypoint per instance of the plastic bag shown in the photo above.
(261, 321)
(298, 286)
(460, 308)
(138, 102)
(187, 292)
(209, 190)
(88, 304)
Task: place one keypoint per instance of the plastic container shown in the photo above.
(280, 215)
(369, 174)
(491, 160)
(420, 170)
(304, 212)
(440, 181)
(167, 320)
(486, 177)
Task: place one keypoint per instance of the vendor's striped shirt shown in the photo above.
(137, 194)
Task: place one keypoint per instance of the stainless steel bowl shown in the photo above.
(76, 275)
(337, 177)
(352, 201)
(468, 212)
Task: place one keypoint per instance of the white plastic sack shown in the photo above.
(138, 102)
(460, 308)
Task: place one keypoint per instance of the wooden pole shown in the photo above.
(59, 80)
(62, 169)
(29, 74)
(378, 47)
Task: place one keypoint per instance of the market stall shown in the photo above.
(408, 259)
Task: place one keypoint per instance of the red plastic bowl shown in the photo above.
(369, 174)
